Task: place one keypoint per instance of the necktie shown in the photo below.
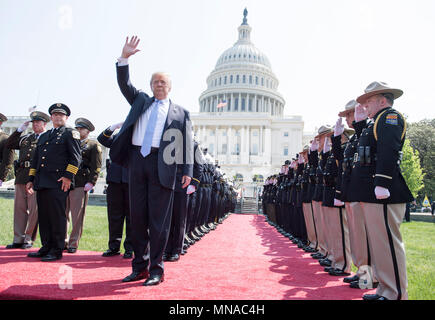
(151, 124)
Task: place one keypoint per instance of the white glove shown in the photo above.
(382, 193)
(88, 186)
(339, 128)
(327, 145)
(1, 182)
(191, 189)
(314, 145)
(338, 203)
(360, 113)
(115, 126)
(23, 127)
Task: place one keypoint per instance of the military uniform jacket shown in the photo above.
(27, 146)
(313, 160)
(318, 189)
(90, 166)
(57, 155)
(330, 177)
(6, 156)
(344, 154)
(377, 159)
(305, 184)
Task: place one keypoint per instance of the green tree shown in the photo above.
(411, 169)
(422, 138)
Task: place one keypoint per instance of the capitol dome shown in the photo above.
(242, 80)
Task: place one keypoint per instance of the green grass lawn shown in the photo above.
(419, 238)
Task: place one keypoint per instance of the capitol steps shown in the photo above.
(249, 206)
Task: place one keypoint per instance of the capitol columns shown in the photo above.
(244, 156)
(268, 146)
(229, 144)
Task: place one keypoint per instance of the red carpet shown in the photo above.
(243, 259)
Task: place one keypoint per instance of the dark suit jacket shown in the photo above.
(115, 172)
(178, 118)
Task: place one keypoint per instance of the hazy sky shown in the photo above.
(324, 53)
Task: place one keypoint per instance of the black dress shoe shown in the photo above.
(37, 254)
(135, 276)
(363, 285)
(338, 272)
(325, 262)
(14, 246)
(154, 280)
(111, 253)
(328, 269)
(71, 250)
(173, 257)
(51, 257)
(128, 255)
(373, 297)
(351, 279)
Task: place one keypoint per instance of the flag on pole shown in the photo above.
(31, 109)
(222, 104)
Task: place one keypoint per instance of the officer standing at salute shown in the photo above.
(344, 154)
(6, 154)
(383, 190)
(54, 166)
(85, 180)
(118, 201)
(25, 208)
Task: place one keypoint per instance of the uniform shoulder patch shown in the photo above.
(75, 134)
(392, 118)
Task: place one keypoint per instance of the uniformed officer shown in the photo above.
(118, 200)
(335, 217)
(306, 201)
(383, 192)
(25, 207)
(174, 245)
(344, 154)
(6, 154)
(85, 180)
(54, 165)
(317, 160)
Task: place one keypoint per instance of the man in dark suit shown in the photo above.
(153, 142)
(118, 203)
(54, 165)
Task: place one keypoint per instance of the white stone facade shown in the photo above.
(249, 135)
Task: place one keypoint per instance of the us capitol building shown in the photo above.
(241, 117)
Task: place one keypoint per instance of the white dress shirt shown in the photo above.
(140, 126)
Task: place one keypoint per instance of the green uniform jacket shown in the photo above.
(26, 145)
(6, 156)
(90, 167)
